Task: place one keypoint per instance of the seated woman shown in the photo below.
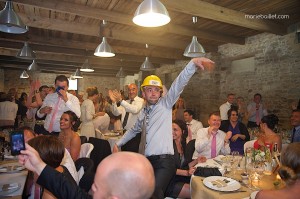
(69, 124)
(289, 173)
(179, 187)
(267, 137)
(51, 151)
(239, 131)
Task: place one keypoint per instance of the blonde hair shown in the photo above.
(91, 91)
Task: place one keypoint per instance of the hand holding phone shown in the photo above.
(58, 89)
(17, 142)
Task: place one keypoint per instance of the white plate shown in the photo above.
(12, 187)
(10, 168)
(232, 185)
(111, 134)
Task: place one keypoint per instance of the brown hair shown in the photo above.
(290, 170)
(216, 113)
(50, 149)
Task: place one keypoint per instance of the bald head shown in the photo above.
(132, 91)
(121, 172)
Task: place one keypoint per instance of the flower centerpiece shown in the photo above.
(262, 160)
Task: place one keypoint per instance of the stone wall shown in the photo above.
(1, 80)
(11, 79)
(275, 75)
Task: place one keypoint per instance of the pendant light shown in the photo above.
(86, 67)
(151, 13)
(104, 49)
(120, 73)
(10, 22)
(77, 74)
(194, 49)
(147, 65)
(33, 66)
(24, 75)
(26, 52)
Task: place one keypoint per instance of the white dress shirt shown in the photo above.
(102, 123)
(224, 109)
(133, 109)
(8, 110)
(159, 139)
(51, 99)
(251, 108)
(203, 144)
(194, 127)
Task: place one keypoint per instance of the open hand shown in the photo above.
(202, 62)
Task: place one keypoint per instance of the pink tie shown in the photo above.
(257, 119)
(36, 191)
(214, 146)
(190, 135)
(50, 129)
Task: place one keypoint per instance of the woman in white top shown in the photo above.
(88, 113)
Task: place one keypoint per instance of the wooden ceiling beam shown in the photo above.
(17, 44)
(218, 13)
(116, 17)
(54, 41)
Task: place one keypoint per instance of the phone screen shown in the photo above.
(17, 142)
(58, 88)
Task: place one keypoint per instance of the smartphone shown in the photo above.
(17, 142)
(58, 89)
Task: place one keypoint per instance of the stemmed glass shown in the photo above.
(235, 161)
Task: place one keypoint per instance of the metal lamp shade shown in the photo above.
(26, 52)
(104, 49)
(194, 49)
(33, 66)
(77, 74)
(10, 22)
(147, 65)
(24, 75)
(151, 13)
(120, 73)
(86, 67)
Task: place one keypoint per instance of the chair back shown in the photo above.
(248, 144)
(189, 151)
(101, 150)
(85, 150)
(83, 139)
(86, 174)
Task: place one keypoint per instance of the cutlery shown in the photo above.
(238, 191)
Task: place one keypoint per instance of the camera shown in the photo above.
(58, 89)
(17, 142)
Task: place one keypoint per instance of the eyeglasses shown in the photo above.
(152, 90)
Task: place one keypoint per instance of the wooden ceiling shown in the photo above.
(64, 32)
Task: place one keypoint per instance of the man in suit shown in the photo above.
(123, 175)
(295, 122)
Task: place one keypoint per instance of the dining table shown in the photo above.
(12, 177)
(200, 188)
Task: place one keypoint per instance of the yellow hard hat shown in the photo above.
(152, 80)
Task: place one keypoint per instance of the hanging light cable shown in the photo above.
(104, 49)
(147, 65)
(194, 49)
(151, 13)
(10, 22)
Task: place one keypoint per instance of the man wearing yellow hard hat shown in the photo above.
(155, 124)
